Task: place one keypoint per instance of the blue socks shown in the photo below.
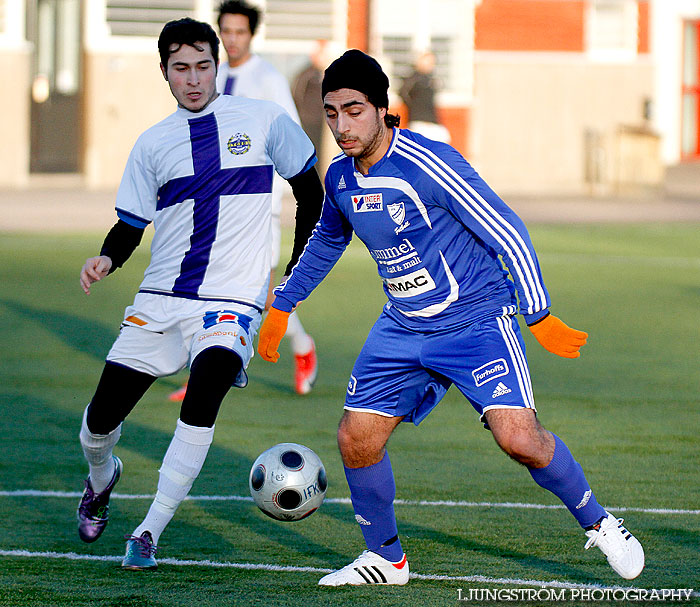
(564, 477)
(372, 491)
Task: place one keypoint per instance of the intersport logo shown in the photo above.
(367, 202)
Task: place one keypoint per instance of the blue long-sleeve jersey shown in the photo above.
(435, 229)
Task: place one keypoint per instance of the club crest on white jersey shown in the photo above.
(239, 144)
(365, 203)
(411, 284)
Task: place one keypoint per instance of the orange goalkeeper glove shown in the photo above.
(558, 338)
(271, 333)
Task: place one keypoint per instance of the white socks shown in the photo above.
(98, 453)
(181, 466)
(301, 341)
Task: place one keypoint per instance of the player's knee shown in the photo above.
(520, 435)
(526, 448)
(218, 364)
(117, 393)
(212, 373)
(99, 419)
(515, 444)
(347, 443)
(357, 448)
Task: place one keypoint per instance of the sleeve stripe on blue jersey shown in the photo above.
(131, 219)
(483, 207)
(483, 213)
(471, 200)
(280, 288)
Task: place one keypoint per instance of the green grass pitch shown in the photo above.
(628, 409)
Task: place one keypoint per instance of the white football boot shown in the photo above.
(623, 551)
(368, 568)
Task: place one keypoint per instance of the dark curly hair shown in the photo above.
(186, 31)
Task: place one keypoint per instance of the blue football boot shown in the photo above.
(93, 511)
(140, 552)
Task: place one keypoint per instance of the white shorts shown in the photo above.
(160, 335)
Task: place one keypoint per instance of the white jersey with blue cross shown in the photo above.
(205, 179)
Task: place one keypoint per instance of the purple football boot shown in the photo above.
(93, 511)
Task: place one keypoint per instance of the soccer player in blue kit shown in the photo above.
(438, 234)
(203, 177)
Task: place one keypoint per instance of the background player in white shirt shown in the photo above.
(203, 176)
(248, 75)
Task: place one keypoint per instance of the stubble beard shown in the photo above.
(371, 143)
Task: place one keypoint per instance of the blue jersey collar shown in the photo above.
(377, 166)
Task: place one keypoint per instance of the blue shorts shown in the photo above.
(401, 372)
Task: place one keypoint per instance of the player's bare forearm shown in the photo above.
(93, 270)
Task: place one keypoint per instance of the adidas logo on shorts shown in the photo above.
(500, 390)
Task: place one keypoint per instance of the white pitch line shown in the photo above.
(463, 504)
(73, 556)
(346, 500)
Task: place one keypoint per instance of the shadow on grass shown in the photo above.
(525, 560)
(77, 332)
(678, 537)
(38, 431)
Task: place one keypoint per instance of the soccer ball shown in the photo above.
(288, 482)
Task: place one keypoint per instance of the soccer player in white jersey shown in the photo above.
(438, 234)
(203, 176)
(249, 75)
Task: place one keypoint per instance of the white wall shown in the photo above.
(15, 65)
(667, 53)
(531, 117)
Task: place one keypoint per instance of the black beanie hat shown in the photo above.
(360, 72)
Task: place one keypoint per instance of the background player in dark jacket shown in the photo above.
(418, 93)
